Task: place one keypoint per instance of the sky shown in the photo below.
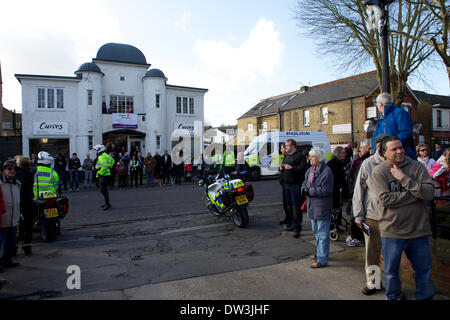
(242, 51)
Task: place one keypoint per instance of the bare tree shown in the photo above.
(341, 31)
(437, 35)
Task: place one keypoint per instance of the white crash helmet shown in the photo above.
(45, 158)
(99, 148)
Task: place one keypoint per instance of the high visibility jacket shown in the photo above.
(45, 181)
(230, 160)
(104, 164)
(217, 160)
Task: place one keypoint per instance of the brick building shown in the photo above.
(435, 115)
(344, 109)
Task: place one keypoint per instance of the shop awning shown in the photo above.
(128, 132)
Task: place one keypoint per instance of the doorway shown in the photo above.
(135, 145)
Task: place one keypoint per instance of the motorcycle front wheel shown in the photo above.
(240, 217)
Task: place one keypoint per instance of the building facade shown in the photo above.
(344, 109)
(436, 118)
(115, 99)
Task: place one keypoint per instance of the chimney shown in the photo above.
(303, 89)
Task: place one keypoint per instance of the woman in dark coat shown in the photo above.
(25, 174)
(337, 166)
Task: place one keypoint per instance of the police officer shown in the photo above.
(230, 161)
(104, 164)
(217, 161)
(46, 179)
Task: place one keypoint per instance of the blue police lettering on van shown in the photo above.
(298, 133)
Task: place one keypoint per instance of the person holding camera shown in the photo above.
(293, 170)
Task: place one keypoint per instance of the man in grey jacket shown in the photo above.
(364, 207)
(402, 186)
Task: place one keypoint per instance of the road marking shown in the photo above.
(209, 226)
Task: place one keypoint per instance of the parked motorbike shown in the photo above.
(50, 209)
(225, 197)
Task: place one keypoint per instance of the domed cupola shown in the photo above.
(88, 67)
(155, 73)
(118, 52)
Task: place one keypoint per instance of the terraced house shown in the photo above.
(344, 109)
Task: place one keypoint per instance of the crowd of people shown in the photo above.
(128, 171)
(388, 192)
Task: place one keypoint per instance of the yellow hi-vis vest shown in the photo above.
(104, 163)
(217, 160)
(230, 160)
(45, 183)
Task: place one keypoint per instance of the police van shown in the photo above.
(263, 154)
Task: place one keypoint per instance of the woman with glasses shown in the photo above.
(423, 156)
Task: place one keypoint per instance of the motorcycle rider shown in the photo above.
(104, 164)
(46, 179)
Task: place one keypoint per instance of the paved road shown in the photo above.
(154, 235)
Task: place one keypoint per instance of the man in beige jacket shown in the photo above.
(402, 186)
(364, 204)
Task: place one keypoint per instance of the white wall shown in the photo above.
(445, 119)
(31, 113)
(87, 120)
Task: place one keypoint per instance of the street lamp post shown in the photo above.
(383, 24)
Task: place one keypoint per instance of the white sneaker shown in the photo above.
(353, 242)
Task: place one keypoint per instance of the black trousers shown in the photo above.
(104, 189)
(134, 176)
(141, 175)
(286, 210)
(294, 201)
(121, 180)
(62, 177)
(112, 180)
(26, 222)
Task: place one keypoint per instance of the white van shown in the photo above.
(263, 154)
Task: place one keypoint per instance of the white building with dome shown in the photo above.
(117, 99)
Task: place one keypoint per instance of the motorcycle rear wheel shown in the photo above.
(48, 231)
(240, 218)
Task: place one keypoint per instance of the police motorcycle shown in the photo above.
(50, 206)
(226, 197)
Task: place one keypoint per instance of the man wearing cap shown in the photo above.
(365, 210)
(10, 219)
(395, 121)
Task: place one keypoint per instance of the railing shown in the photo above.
(434, 210)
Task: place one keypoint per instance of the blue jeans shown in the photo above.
(73, 176)
(321, 230)
(8, 238)
(418, 252)
(87, 178)
(150, 176)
